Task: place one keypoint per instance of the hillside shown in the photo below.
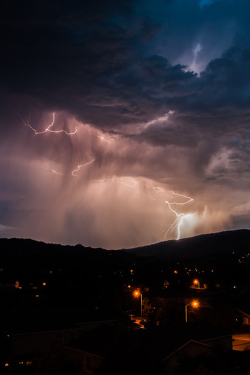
(194, 247)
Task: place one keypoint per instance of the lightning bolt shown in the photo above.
(55, 172)
(179, 217)
(156, 190)
(48, 129)
(133, 183)
(81, 166)
(101, 137)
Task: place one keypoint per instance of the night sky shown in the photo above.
(124, 123)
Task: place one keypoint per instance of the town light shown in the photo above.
(194, 304)
(137, 294)
(197, 283)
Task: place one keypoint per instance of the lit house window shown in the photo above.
(88, 363)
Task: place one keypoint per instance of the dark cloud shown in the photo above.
(159, 94)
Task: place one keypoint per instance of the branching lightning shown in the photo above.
(48, 129)
(129, 182)
(81, 166)
(179, 217)
(156, 190)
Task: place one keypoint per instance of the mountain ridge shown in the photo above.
(200, 245)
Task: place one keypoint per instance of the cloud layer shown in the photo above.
(158, 100)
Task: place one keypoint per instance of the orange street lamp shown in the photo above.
(137, 294)
(197, 283)
(194, 304)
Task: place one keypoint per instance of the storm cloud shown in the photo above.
(148, 100)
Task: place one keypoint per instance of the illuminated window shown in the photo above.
(20, 363)
(17, 285)
(44, 284)
(37, 295)
(175, 271)
(6, 364)
(88, 363)
(28, 363)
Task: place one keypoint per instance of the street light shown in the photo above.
(136, 294)
(196, 282)
(194, 304)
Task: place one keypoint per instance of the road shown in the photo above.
(241, 341)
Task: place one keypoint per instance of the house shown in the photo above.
(192, 349)
(30, 343)
(132, 351)
(30, 337)
(90, 349)
(245, 316)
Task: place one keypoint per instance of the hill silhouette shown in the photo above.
(193, 247)
(198, 246)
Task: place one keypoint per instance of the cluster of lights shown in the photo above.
(27, 363)
(195, 304)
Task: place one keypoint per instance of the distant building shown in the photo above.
(159, 347)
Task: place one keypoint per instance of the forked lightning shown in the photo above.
(179, 217)
(48, 129)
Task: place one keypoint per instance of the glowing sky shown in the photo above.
(124, 123)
